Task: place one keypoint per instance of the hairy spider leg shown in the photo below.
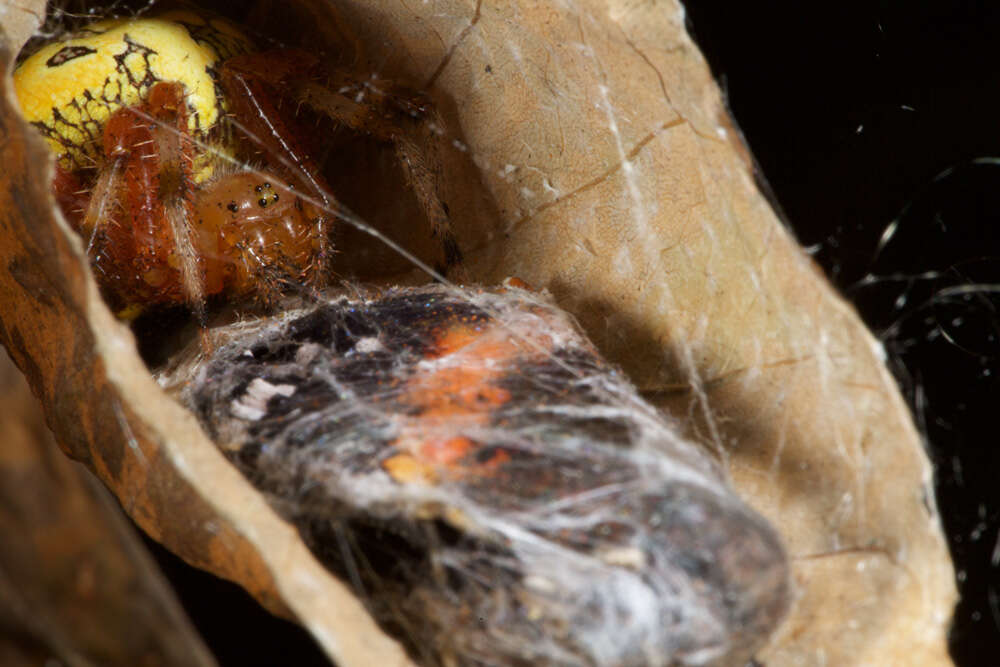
(389, 112)
(412, 125)
(71, 195)
(403, 118)
(175, 148)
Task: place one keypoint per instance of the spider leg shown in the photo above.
(175, 150)
(71, 195)
(275, 275)
(420, 161)
(102, 207)
(408, 121)
(87, 208)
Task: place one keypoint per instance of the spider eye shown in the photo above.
(262, 202)
(233, 207)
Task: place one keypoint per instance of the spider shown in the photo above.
(148, 117)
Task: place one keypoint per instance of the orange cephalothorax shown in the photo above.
(250, 223)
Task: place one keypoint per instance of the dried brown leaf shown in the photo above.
(76, 584)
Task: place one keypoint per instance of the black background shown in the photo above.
(859, 114)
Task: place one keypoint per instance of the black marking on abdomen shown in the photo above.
(67, 53)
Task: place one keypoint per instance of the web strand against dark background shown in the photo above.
(875, 125)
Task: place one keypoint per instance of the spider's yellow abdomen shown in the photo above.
(69, 89)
